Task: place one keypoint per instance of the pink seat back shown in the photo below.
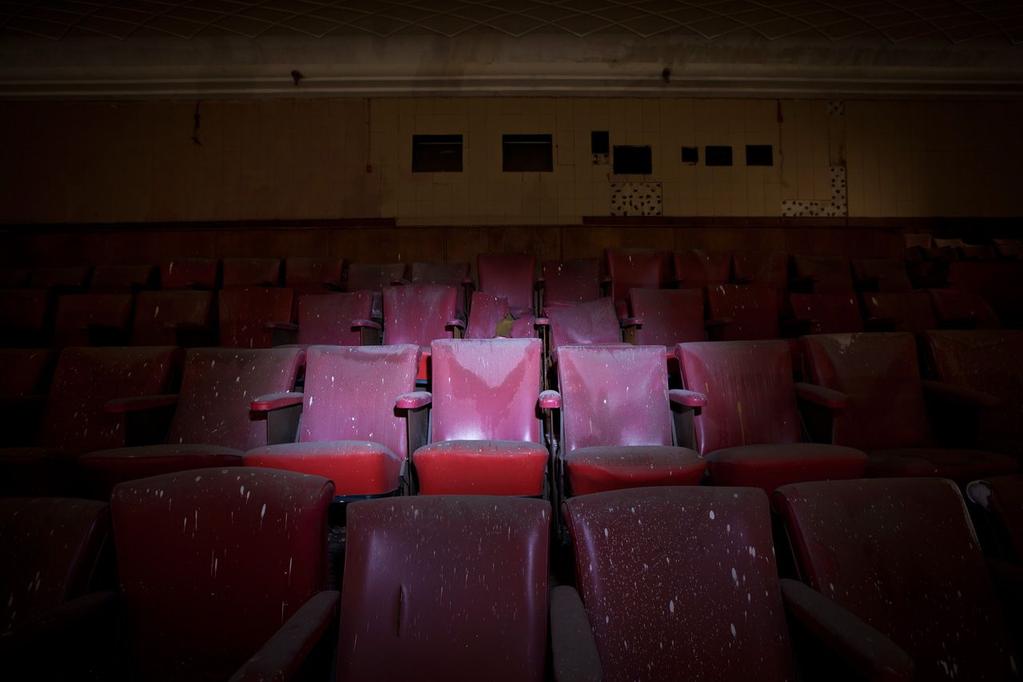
(487, 314)
(571, 281)
(695, 268)
(668, 316)
(373, 276)
(636, 270)
(76, 313)
(486, 389)
(313, 274)
(881, 274)
(122, 277)
(246, 313)
(419, 313)
(189, 273)
(510, 276)
(251, 272)
(160, 314)
(329, 318)
(909, 311)
(584, 323)
(767, 269)
(826, 313)
(752, 312)
(613, 395)
(824, 274)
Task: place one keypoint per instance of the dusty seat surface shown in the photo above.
(696, 268)
(636, 554)
(330, 319)
(636, 270)
(159, 315)
(768, 466)
(251, 272)
(76, 313)
(907, 311)
(747, 312)
(491, 316)
(241, 550)
(668, 316)
(312, 274)
(902, 555)
(823, 274)
(826, 313)
(583, 323)
(607, 467)
(960, 465)
(418, 313)
(485, 467)
(768, 269)
(189, 273)
(571, 281)
(471, 605)
(509, 276)
(107, 468)
(245, 314)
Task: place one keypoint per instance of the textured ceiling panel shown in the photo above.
(889, 22)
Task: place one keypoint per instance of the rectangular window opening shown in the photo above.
(718, 155)
(436, 153)
(691, 155)
(600, 142)
(759, 155)
(527, 153)
(630, 160)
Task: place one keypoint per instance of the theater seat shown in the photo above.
(680, 583)
(53, 552)
(420, 314)
(462, 581)
(570, 281)
(350, 431)
(374, 277)
(121, 278)
(881, 274)
(955, 309)
(634, 269)
(313, 275)
(740, 312)
(825, 313)
(698, 269)
(822, 274)
(582, 324)
(173, 318)
(664, 317)
(902, 555)
(616, 421)
(491, 317)
(748, 427)
(251, 272)
(61, 279)
(92, 320)
(886, 414)
(451, 274)
(255, 317)
(510, 276)
(189, 273)
(211, 424)
(765, 269)
(337, 319)
(902, 312)
(235, 584)
(484, 425)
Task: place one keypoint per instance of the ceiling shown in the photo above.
(857, 48)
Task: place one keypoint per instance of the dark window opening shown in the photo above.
(600, 142)
(718, 155)
(690, 155)
(527, 153)
(436, 153)
(759, 155)
(633, 160)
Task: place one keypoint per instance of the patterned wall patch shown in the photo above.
(636, 198)
(836, 208)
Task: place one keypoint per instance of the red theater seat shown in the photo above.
(452, 274)
(374, 277)
(902, 555)
(337, 319)
(251, 272)
(255, 318)
(571, 281)
(484, 423)
(235, 583)
(510, 276)
(73, 418)
(1000, 283)
(24, 317)
(955, 309)
(822, 274)
(92, 320)
(680, 583)
(886, 414)
(881, 274)
(52, 554)
(349, 431)
(583, 324)
(74, 278)
(743, 313)
(616, 420)
(112, 278)
(313, 275)
(420, 314)
(697, 269)
(173, 318)
(211, 426)
(636, 270)
(664, 317)
(902, 312)
(766, 269)
(491, 317)
(189, 273)
(749, 429)
(825, 313)
(469, 603)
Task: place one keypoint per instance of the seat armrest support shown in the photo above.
(833, 400)
(276, 401)
(686, 398)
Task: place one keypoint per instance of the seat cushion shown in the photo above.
(606, 467)
(357, 467)
(481, 467)
(961, 466)
(106, 468)
(771, 465)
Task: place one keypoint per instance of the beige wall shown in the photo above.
(326, 158)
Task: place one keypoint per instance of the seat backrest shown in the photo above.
(350, 393)
(373, 276)
(668, 316)
(419, 313)
(768, 269)
(750, 395)
(470, 604)
(328, 318)
(584, 323)
(23, 313)
(571, 281)
(881, 274)
(510, 276)
(962, 308)
(24, 371)
(614, 395)
(52, 547)
(486, 389)
(189, 273)
(909, 311)
(69, 278)
(696, 268)
(251, 272)
(454, 274)
(122, 277)
(669, 572)
(827, 313)
(751, 312)
(245, 314)
(903, 556)
(240, 551)
(76, 313)
(313, 274)
(490, 315)
(160, 314)
(86, 378)
(217, 386)
(880, 375)
(824, 274)
(636, 270)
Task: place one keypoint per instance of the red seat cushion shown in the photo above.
(357, 467)
(612, 467)
(772, 465)
(481, 467)
(961, 466)
(107, 468)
